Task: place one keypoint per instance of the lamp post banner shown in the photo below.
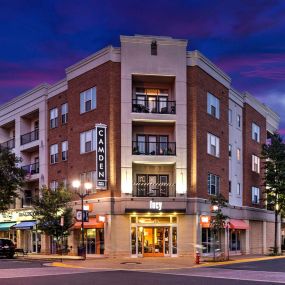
(101, 156)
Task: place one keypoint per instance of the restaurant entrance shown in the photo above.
(153, 236)
(155, 241)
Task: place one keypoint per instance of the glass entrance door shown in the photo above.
(153, 241)
(91, 241)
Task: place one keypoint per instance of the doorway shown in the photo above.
(154, 239)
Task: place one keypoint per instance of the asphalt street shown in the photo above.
(18, 272)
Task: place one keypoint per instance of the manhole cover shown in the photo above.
(130, 262)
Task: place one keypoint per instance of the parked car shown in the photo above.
(7, 248)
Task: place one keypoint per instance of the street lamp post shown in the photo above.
(87, 186)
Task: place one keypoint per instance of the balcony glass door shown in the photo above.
(162, 104)
(152, 145)
(141, 185)
(152, 104)
(153, 188)
(163, 141)
(163, 181)
(141, 144)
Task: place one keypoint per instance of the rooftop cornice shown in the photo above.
(42, 87)
(197, 58)
(148, 39)
(236, 96)
(92, 57)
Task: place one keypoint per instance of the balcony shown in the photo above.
(154, 190)
(27, 202)
(154, 105)
(154, 148)
(30, 137)
(31, 169)
(10, 144)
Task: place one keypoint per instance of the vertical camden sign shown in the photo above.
(101, 159)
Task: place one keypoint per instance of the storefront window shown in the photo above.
(133, 220)
(234, 240)
(207, 240)
(134, 237)
(174, 220)
(174, 240)
(154, 220)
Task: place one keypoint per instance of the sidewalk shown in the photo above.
(153, 263)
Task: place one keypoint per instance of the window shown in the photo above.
(53, 118)
(64, 113)
(238, 121)
(213, 106)
(255, 132)
(230, 150)
(255, 163)
(153, 48)
(238, 189)
(88, 100)
(207, 240)
(238, 154)
(64, 150)
(255, 195)
(213, 145)
(53, 185)
(213, 184)
(53, 153)
(230, 116)
(230, 186)
(89, 177)
(87, 141)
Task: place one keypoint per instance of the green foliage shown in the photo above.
(218, 219)
(274, 179)
(11, 178)
(274, 175)
(50, 207)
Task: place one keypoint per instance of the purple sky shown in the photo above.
(39, 39)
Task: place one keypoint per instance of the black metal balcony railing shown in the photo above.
(156, 106)
(154, 148)
(154, 190)
(27, 201)
(8, 144)
(31, 169)
(30, 137)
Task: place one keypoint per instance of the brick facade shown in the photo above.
(251, 147)
(106, 78)
(199, 83)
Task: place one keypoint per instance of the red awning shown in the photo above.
(92, 224)
(238, 224)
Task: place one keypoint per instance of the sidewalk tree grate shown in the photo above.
(130, 262)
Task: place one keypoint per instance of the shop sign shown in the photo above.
(101, 156)
(155, 205)
(17, 216)
(85, 216)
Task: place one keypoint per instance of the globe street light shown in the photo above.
(87, 186)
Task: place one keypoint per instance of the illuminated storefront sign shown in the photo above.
(101, 157)
(155, 205)
(17, 216)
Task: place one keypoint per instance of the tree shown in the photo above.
(218, 219)
(11, 178)
(274, 178)
(49, 208)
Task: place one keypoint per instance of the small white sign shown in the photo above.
(155, 205)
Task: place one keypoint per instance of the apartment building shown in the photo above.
(156, 129)
(23, 130)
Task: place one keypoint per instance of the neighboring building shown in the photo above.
(174, 131)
